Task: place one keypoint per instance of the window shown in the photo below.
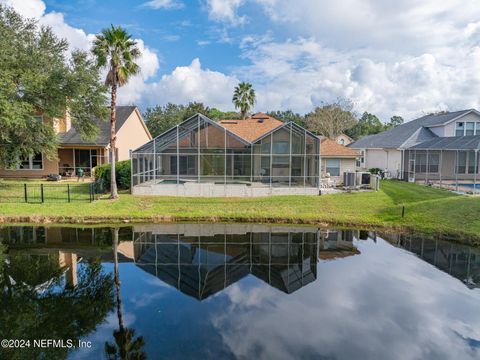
(342, 142)
(38, 118)
(461, 162)
(459, 129)
(361, 160)
(34, 162)
(470, 129)
(477, 132)
(333, 167)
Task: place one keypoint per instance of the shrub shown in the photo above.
(123, 172)
(375, 171)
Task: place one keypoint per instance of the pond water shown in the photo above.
(214, 291)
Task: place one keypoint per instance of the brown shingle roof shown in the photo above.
(330, 148)
(252, 128)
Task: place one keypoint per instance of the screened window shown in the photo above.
(459, 128)
(433, 161)
(333, 167)
(461, 162)
(281, 147)
(471, 162)
(470, 129)
(421, 163)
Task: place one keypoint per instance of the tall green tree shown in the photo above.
(394, 122)
(193, 108)
(288, 115)
(331, 120)
(244, 98)
(216, 114)
(115, 49)
(161, 118)
(368, 124)
(39, 76)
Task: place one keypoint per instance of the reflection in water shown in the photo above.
(460, 261)
(126, 345)
(342, 293)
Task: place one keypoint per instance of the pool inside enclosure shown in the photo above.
(200, 150)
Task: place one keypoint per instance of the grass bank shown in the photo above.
(426, 209)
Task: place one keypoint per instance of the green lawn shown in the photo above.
(426, 209)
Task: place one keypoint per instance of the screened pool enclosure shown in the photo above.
(200, 155)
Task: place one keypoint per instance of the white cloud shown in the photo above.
(302, 73)
(28, 8)
(225, 11)
(193, 83)
(163, 4)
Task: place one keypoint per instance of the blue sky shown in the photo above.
(401, 57)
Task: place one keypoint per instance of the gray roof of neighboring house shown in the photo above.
(407, 134)
(450, 143)
(72, 136)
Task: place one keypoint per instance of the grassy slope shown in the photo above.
(427, 209)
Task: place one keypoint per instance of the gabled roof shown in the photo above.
(396, 138)
(72, 136)
(252, 128)
(421, 135)
(450, 143)
(330, 148)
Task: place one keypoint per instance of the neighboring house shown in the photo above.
(343, 139)
(336, 159)
(75, 153)
(258, 156)
(387, 150)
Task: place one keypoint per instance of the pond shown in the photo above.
(236, 291)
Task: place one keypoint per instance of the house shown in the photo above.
(258, 156)
(389, 150)
(336, 159)
(75, 153)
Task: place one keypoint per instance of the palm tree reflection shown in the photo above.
(126, 345)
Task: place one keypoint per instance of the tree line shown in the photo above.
(329, 120)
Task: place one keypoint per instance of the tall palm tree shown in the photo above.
(244, 98)
(115, 49)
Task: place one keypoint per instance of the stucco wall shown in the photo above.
(345, 165)
(131, 136)
(389, 159)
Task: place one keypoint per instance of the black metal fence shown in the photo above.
(39, 193)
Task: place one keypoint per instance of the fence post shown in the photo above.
(91, 192)
(41, 191)
(68, 192)
(25, 193)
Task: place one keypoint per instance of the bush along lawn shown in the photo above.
(123, 172)
(426, 210)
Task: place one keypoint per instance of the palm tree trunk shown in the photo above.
(113, 138)
(116, 277)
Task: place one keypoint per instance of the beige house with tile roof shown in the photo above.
(75, 153)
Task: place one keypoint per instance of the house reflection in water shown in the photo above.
(460, 261)
(200, 259)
